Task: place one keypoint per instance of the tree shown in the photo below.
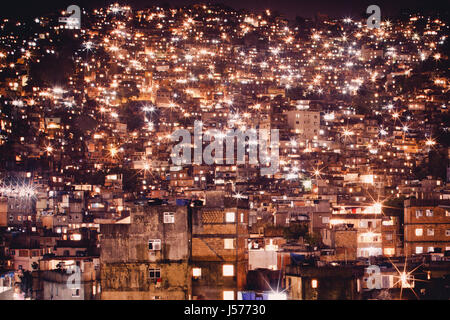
(313, 239)
(295, 231)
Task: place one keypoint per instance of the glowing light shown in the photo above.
(277, 296)
(113, 151)
(58, 90)
(88, 45)
(148, 109)
(348, 133)
(18, 190)
(374, 209)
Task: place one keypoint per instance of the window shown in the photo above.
(419, 213)
(430, 249)
(228, 243)
(228, 295)
(154, 273)
(430, 232)
(23, 253)
(389, 236)
(75, 292)
(242, 218)
(419, 232)
(325, 220)
(447, 233)
(196, 272)
(447, 213)
(228, 270)
(419, 250)
(230, 217)
(154, 244)
(169, 217)
(429, 213)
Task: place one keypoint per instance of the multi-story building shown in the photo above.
(391, 237)
(427, 226)
(368, 226)
(149, 257)
(305, 123)
(219, 248)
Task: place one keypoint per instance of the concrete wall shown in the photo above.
(265, 259)
(345, 243)
(126, 259)
(132, 281)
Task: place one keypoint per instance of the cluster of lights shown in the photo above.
(17, 190)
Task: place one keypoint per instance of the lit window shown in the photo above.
(169, 217)
(419, 213)
(419, 250)
(229, 243)
(154, 244)
(230, 217)
(447, 233)
(228, 295)
(196, 272)
(228, 270)
(314, 283)
(430, 232)
(429, 213)
(430, 249)
(419, 232)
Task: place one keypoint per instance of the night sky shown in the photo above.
(290, 8)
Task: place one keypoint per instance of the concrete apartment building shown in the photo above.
(427, 226)
(392, 238)
(219, 248)
(149, 257)
(305, 123)
(368, 227)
